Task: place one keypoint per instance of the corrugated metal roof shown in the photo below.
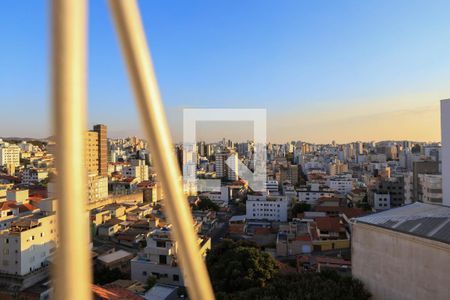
(424, 220)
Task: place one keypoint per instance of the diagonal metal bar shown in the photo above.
(73, 267)
(140, 69)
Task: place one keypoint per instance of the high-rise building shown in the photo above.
(289, 173)
(422, 167)
(102, 149)
(9, 155)
(445, 129)
(97, 187)
(222, 168)
(431, 188)
(91, 155)
(96, 156)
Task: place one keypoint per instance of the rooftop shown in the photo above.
(117, 255)
(420, 219)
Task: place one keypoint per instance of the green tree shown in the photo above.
(207, 204)
(104, 275)
(151, 281)
(327, 285)
(299, 208)
(416, 149)
(239, 266)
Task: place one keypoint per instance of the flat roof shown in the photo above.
(160, 291)
(237, 218)
(108, 258)
(425, 220)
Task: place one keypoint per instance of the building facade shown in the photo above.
(271, 208)
(403, 253)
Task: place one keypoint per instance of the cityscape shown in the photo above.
(352, 209)
(288, 150)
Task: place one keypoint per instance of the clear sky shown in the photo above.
(325, 70)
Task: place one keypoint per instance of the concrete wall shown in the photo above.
(399, 266)
(142, 269)
(136, 197)
(445, 128)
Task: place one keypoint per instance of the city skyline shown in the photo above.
(205, 150)
(348, 69)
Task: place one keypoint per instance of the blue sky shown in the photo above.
(344, 70)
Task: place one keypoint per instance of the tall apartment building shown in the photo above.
(27, 249)
(96, 159)
(422, 167)
(223, 170)
(289, 173)
(431, 188)
(97, 187)
(102, 149)
(388, 193)
(96, 156)
(445, 129)
(9, 155)
(28, 244)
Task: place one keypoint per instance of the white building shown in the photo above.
(28, 245)
(381, 201)
(221, 198)
(341, 184)
(272, 187)
(431, 188)
(445, 129)
(26, 147)
(9, 155)
(138, 169)
(32, 175)
(271, 208)
(312, 192)
(158, 258)
(97, 187)
(224, 161)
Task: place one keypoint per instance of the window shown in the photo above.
(161, 244)
(176, 277)
(162, 259)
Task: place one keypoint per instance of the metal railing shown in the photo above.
(72, 273)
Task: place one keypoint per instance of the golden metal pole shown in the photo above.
(73, 266)
(140, 68)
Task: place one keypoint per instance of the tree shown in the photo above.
(300, 208)
(239, 266)
(207, 204)
(416, 149)
(327, 285)
(104, 275)
(151, 281)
